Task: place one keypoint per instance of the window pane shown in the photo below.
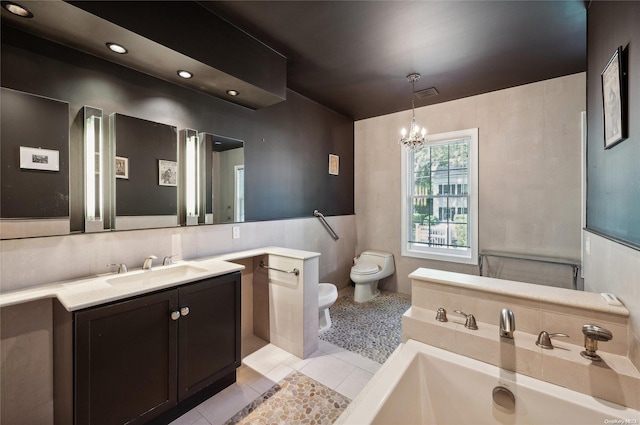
(459, 155)
(440, 157)
(459, 234)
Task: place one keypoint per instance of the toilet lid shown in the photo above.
(365, 268)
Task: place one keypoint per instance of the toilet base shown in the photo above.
(365, 291)
(324, 320)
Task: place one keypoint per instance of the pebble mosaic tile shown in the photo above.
(372, 329)
(297, 399)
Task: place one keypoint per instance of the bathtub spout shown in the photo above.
(507, 323)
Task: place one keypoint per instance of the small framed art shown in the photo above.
(39, 159)
(122, 167)
(614, 100)
(334, 164)
(168, 173)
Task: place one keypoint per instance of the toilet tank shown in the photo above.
(384, 260)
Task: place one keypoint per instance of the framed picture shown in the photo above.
(168, 173)
(334, 164)
(614, 100)
(122, 167)
(39, 159)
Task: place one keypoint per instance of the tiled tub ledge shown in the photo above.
(535, 308)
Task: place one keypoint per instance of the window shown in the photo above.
(440, 204)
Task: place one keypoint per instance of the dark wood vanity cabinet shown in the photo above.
(136, 359)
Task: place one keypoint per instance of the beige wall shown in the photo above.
(612, 267)
(529, 154)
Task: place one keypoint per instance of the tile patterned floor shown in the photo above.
(295, 399)
(343, 364)
(339, 370)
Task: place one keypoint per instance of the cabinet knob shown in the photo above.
(175, 315)
(184, 311)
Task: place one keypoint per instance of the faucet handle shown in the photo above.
(441, 315)
(592, 334)
(470, 322)
(122, 268)
(168, 259)
(544, 339)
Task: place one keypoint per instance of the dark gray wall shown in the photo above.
(613, 175)
(33, 122)
(287, 145)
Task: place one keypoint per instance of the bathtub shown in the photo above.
(422, 384)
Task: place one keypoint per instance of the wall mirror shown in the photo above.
(222, 187)
(34, 192)
(145, 172)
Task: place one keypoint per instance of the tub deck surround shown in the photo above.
(615, 379)
(424, 384)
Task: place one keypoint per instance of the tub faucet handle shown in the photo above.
(592, 334)
(122, 267)
(544, 339)
(441, 315)
(470, 323)
(507, 323)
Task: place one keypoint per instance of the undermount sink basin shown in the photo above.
(158, 276)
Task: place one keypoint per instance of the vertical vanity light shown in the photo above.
(192, 163)
(93, 190)
(189, 185)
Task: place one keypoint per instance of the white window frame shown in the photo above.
(469, 256)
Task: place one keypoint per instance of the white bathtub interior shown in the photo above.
(422, 384)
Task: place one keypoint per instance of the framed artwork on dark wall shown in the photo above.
(614, 99)
(39, 159)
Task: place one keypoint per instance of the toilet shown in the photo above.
(369, 268)
(327, 295)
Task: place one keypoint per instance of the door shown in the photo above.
(126, 357)
(209, 332)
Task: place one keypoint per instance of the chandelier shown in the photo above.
(416, 137)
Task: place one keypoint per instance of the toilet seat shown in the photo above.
(365, 268)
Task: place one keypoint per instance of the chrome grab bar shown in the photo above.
(332, 232)
(294, 271)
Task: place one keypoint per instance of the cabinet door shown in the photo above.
(126, 358)
(209, 334)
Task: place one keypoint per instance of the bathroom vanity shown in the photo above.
(144, 345)
(131, 360)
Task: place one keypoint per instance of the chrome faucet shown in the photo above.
(148, 262)
(507, 323)
(592, 334)
(470, 322)
(122, 268)
(168, 260)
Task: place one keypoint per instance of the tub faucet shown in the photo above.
(148, 262)
(592, 334)
(507, 323)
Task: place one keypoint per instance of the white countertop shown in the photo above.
(77, 294)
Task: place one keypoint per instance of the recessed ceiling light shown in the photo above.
(117, 48)
(16, 9)
(185, 74)
(217, 142)
(233, 92)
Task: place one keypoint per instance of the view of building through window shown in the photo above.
(440, 196)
